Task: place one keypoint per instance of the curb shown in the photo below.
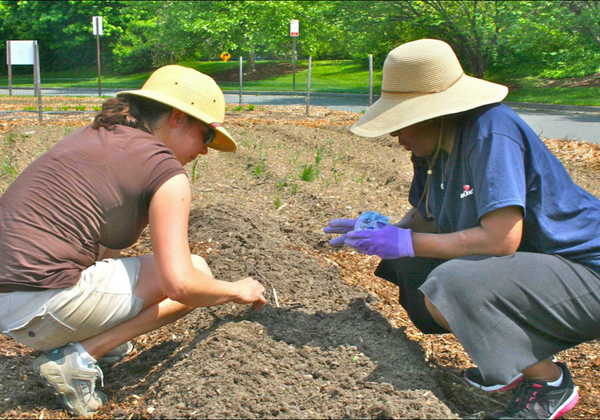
(553, 107)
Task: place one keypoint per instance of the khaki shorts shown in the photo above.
(49, 319)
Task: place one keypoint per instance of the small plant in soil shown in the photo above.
(9, 168)
(293, 189)
(29, 108)
(277, 202)
(10, 139)
(80, 108)
(238, 108)
(250, 108)
(194, 170)
(309, 172)
(65, 108)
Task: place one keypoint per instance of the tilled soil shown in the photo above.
(333, 341)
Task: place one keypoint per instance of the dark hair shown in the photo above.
(132, 111)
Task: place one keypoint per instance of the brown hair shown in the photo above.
(129, 110)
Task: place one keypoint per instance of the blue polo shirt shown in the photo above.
(498, 161)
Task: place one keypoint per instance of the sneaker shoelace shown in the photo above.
(525, 393)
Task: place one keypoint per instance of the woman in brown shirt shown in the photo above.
(64, 220)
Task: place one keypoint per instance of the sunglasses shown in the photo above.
(210, 134)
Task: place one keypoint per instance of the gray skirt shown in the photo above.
(512, 312)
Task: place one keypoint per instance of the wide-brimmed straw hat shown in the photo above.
(193, 93)
(423, 80)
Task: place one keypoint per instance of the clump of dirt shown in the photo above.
(591, 80)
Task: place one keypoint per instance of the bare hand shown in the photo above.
(251, 291)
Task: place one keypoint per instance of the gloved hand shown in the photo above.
(339, 226)
(389, 242)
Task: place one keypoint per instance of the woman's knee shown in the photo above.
(201, 265)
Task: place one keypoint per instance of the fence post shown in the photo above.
(9, 69)
(241, 79)
(370, 79)
(308, 86)
(37, 83)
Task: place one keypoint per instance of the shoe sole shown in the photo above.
(567, 405)
(61, 390)
(512, 384)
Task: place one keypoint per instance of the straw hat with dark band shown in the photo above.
(423, 80)
(193, 93)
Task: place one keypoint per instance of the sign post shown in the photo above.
(294, 33)
(97, 30)
(25, 53)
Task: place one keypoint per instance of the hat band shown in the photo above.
(413, 92)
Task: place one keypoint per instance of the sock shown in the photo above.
(558, 382)
(84, 359)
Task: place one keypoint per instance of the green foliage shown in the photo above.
(80, 107)
(193, 180)
(526, 38)
(309, 172)
(65, 108)
(10, 139)
(238, 108)
(29, 108)
(277, 202)
(250, 108)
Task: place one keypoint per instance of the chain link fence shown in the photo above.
(266, 83)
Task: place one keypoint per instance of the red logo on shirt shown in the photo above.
(467, 191)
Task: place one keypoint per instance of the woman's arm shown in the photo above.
(179, 280)
(499, 234)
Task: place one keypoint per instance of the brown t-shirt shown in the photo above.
(94, 187)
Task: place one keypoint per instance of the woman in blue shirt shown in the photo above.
(501, 247)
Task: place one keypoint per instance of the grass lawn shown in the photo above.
(340, 76)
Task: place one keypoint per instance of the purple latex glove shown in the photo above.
(339, 226)
(390, 242)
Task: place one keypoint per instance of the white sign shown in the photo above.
(21, 52)
(294, 27)
(97, 25)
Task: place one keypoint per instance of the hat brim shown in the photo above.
(222, 142)
(394, 111)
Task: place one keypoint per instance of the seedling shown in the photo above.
(250, 108)
(238, 108)
(80, 108)
(309, 172)
(10, 139)
(277, 202)
(194, 170)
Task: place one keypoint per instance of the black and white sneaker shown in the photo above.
(538, 400)
(474, 378)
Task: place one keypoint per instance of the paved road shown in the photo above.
(567, 125)
(551, 124)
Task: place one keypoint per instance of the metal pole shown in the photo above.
(37, 83)
(370, 79)
(294, 63)
(98, 55)
(9, 68)
(241, 78)
(308, 85)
